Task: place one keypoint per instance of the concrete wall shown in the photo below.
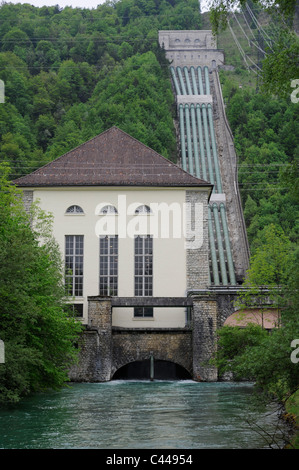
(191, 47)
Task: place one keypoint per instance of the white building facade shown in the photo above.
(129, 223)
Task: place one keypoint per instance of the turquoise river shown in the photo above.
(140, 415)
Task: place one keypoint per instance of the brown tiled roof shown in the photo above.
(112, 158)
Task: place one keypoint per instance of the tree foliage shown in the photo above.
(252, 353)
(37, 329)
(280, 65)
(54, 60)
(266, 134)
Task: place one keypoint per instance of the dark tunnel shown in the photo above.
(161, 370)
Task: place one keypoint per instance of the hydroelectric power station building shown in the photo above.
(154, 252)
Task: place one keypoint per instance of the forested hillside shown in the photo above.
(266, 133)
(70, 74)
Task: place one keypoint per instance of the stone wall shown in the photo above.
(27, 199)
(197, 252)
(100, 319)
(84, 370)
(204, 337)
(104, 350)
(137, 345)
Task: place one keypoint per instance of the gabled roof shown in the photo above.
(113, 158)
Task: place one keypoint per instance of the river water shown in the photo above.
(138, 415)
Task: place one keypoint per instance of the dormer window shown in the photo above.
(143, 210)
(74, 210)
(108, 209)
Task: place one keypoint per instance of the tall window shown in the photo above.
(143, 272)
(108, 265)
(74, 246)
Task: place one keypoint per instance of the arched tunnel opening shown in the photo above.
(157, 370)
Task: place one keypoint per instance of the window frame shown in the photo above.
(112, 210)
(76, 212)
(78, 310)
(143, 273)
(74, 260)
(140, 210)
(108, 261)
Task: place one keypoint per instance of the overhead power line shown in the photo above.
(260, 28)
(250, 41)
(245, 57)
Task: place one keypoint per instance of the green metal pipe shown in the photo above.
(195, 146)
(179, 72)
(208, 148)
(176, 84)
(182, 133)
(189, 143)
(207, 80)
(213, 250)
(199, 72)
(194, 80)
(227, 245)
(220, 246)
(214, 150)
(201, 142)
(189, 89)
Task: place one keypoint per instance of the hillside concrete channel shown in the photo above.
(206, 146)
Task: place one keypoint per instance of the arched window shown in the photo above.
(74, 210)
(143, 210)
(108, 209)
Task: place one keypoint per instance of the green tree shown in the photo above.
(15, 37)
(269, 270)
(251, 353)
(280, 66)
(38, 332)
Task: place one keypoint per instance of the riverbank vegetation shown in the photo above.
(38, 331)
